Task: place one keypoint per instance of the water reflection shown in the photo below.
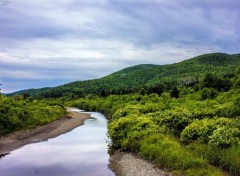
(82, 151)
(2, 155)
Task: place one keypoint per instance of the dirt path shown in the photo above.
(62, 125)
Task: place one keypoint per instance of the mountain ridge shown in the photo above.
(145, 75)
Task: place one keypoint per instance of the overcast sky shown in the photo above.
(52, 42)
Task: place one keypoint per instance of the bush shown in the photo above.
(169, 153)
(237, 84)
(175, 121)
(208, 93)
(220, 132)
(118, 131)
(225, 137)
(150, 126)
(235, 110)
(17, 114)
(228, 159)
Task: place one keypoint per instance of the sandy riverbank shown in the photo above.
(62, 125)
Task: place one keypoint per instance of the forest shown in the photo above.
(193, 130)
(184, 117)
(144, 77)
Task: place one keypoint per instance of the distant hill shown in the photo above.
(146, 75)
(33, 92)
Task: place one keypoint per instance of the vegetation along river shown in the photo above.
(82, 151)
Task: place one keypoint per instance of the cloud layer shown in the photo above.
(48, 43)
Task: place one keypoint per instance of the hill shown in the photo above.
(146, 75)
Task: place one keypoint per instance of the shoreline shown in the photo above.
(121, 163)
(128, 164)
(53, 129)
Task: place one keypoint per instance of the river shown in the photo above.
(81, 152)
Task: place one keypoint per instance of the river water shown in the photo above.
(81, 152)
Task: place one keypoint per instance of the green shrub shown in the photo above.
(176, 121)
(142, 124)
(17, 113)
(225, 136)
(198, 130)
(235, 109)
(169, 153)
(228, 159)
(208, 93)
(118, 131)
(237, 84)
(217, 132)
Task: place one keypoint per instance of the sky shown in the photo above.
(47, 43)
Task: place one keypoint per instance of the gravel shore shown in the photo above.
(127, 164)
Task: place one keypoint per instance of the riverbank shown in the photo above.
(127, 164)
(62, 125)
(122, 163)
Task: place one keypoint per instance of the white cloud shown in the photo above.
(34, 59)
(87, 39)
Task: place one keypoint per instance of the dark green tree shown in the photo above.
(103, 93)
(209, 80)
(26, 95)
(174, 93)
(212, 81)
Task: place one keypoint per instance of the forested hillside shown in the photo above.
(146, 78)
(187, 130)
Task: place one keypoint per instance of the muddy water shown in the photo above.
(81, 152)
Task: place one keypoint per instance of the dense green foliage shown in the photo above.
(187, 129)
(147, 78)
(17, 113)
(184, 117)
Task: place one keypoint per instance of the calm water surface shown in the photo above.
(81, 152)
